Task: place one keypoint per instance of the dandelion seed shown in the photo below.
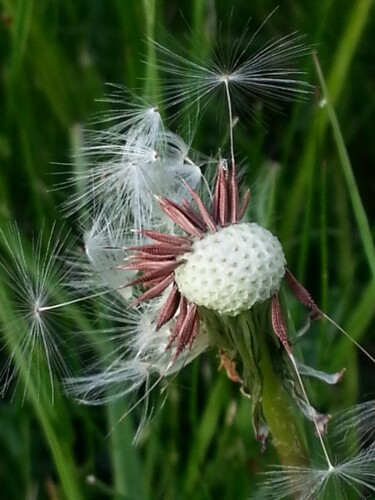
(33, 280)
(131, 162)
(140, 354)
(352, 476)
(266, 75)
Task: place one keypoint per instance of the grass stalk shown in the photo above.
(52, 417)
(358, 208)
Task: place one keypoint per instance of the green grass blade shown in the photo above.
(53, 419)
(358, 209)
(314, 142)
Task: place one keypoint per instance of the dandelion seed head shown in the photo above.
(141, 177)
(232, 269)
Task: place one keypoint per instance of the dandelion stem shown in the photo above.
(248, 335)
(278, 413)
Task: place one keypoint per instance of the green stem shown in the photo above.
(277, 407)
(278, 413)
(249, 342)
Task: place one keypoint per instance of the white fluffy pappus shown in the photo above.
(139, 356)
(353, 476)
(352, 472)
(266, 74)
(242, 75)
(105, 251)
(130, 163)
(355, 426)
(35, 276)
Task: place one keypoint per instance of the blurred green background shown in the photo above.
(55, 58)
